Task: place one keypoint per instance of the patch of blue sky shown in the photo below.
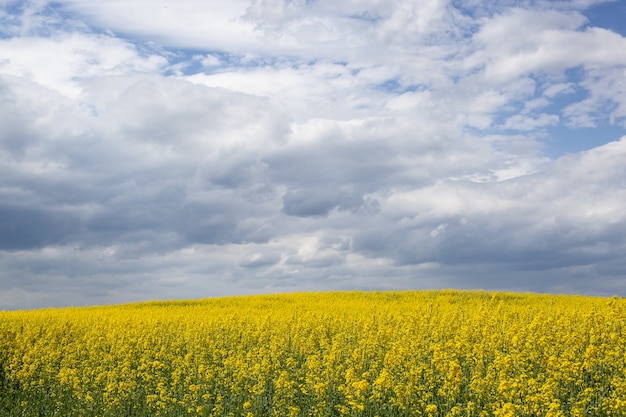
(11, 18)
(611, 16)
(558, 139)
(565, 136)
(189, 62)
(561, 140)
(6, 27)
(50, 18)
(566, 90)
(479, 10)
(394, 86)
(467, 10)
(13, 8)
(366, 17)
(194, 61)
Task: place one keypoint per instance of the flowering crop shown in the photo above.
(413, 353)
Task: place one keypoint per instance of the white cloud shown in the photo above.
(63, 61)
(570, 213)
(525, 41)
(520, 122)
(554, 90)
(607, 91)
(184, 23)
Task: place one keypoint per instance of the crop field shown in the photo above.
(410, 353)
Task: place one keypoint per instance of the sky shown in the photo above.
(154, 149)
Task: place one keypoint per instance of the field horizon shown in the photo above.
(186, 301)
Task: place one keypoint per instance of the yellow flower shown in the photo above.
(374, 353)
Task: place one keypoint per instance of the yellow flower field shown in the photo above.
(412, 353)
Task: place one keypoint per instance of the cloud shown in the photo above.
(259, 260)
(306, 146)
(568, 214)
(25, 228)
(606, 97)
(186, 24)
(60, 62)
(519, 122)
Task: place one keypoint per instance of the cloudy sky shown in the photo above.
(155, 149)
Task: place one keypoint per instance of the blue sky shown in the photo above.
(156, 149)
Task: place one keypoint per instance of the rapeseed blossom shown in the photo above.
(413, 353)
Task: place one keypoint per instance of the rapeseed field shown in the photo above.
(413, 353)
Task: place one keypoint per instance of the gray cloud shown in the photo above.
(566, 216)
(382, 153)
(318, 202)
(260, 260)
(23, 228)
